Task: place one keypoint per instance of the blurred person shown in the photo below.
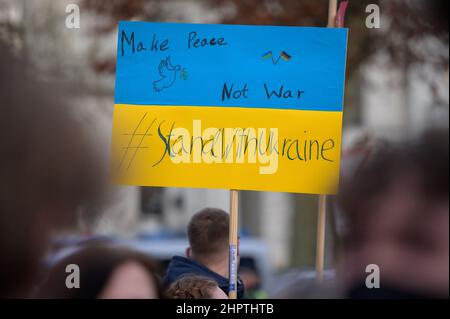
(106, 272)
(307, 288)
(398, 213)
(207, 254)
(65, 245)
(195, 287)
(48, 170)
(252, 280)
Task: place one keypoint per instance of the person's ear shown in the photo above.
(188, 252)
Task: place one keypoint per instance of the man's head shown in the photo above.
(208, 235)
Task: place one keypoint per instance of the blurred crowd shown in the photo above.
(395, 206)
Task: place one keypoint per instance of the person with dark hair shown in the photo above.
(251, 278)
(48, 170)
(207, 254)
(106, 272)
(195, 287)
(398, 212)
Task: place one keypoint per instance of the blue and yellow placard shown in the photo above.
(229, 106)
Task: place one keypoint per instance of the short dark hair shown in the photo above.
(192, 287)
(208, 232)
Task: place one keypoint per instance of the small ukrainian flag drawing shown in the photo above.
(285, 56)
(267, 55)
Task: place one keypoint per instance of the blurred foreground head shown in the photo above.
(398, 209)
(48, 170)
(106, 272)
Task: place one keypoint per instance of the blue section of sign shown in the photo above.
(231, 66)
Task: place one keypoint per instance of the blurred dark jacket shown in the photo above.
(180, 266)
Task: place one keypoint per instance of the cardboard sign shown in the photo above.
(228, 106)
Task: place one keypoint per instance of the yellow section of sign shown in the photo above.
(228, 148)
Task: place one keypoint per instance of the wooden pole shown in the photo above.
(320, 242)
(233, 243)
(332, 10)
(322, 212)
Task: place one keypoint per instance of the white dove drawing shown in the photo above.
(168, 74)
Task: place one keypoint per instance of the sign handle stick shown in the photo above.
(322, 212)
(233, 243)
(320, 249)
(332, 10)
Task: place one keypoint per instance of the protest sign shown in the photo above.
(228, 106)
